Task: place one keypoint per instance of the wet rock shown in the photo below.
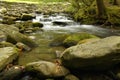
(8, 20)
(58, 41)
(7, 55)
(26, 17)
(3, 37)
(37, 24)
(46, 19)
(13, 73)
(3, 10)
(88, 40)
(99, 55)
(6, 44)
(23, 46)
(47, 69)
(60, 23)
(75, 38)
(71, 77)
(15, 36)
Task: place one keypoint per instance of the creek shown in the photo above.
(51, 31)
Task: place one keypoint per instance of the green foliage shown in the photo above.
(113, 15)
(36, 0)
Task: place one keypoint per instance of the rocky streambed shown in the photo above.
(42, 46)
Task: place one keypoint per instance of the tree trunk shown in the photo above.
(100, 8)
(115, 2)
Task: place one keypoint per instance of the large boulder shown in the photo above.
(14, 36)
(7, 55)
(47, 69)
(99, 55)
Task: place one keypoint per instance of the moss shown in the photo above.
(113, 15)
(75, 38)
(88, 40)
(58, 41)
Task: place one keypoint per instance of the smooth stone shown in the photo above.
(102, 54)
(7, 55)
(47, 69)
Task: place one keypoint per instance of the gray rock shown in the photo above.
(99, 55)
(47, 69)
(7, 55)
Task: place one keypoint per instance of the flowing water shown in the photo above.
(51, 31)
(72, 27)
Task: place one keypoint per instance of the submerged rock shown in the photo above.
(45, 69)
(58, 41)
(7, 55)
(99, 55)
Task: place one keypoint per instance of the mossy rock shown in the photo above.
(58, 41)
(13, 36)
(26, 17)
(37, 24)
(88, 40)
(7, 55)
(46, 69)
(6, 44)
(75, 38)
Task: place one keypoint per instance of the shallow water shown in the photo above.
(51, 31)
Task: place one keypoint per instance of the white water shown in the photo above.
(72, 26)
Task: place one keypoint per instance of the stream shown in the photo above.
(51, 31)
